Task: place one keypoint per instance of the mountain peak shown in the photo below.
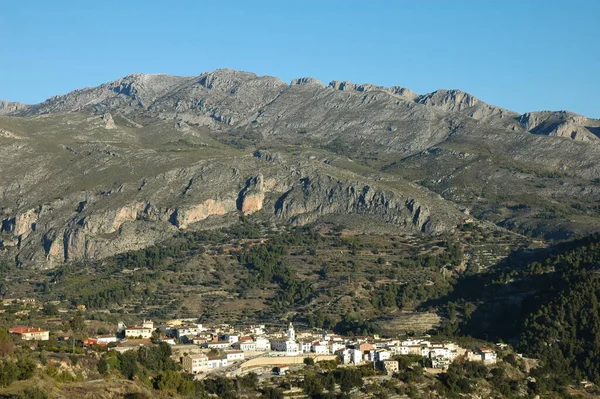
(307, 82)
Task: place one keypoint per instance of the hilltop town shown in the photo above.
(232, 351)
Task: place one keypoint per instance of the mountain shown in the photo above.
(124, 165)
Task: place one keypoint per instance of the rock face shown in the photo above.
(307, 82)
(561, 124)
(183, 217)
(9, 108)
(252, 196)
(311, 198)
(109, 123)
(160, 193)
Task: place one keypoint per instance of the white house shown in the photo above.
(381, 355)
(335, 346)
(189, 330)
(262, 344)
(231, 338)
(143, 330)
(233, 356)
(247, 345)
(136, 332)
(440, 350)
(356, 356)
(399, 350)
(305, 346)
(31, 333)
(218, 344)
(216, 362)
(320, 347)
(349, 355)
(488, 356)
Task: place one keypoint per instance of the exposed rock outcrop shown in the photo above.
(252, 196)
(561, 124)
(108, 121)
(11, 107)
(307, 82)
(184, 216)
(314, 197)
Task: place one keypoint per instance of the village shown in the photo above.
(222, 349)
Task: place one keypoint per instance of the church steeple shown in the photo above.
(291, 333)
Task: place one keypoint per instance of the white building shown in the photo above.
(488, 356)
(216, 362)
(320, 347)
(381, 355)
(399, 350)
(218, 344)
(30, 333)
(231, 338)
(233, 356)
(289, 346)
(190, 331)
(349, 356)
(335, 346)
(440, 362)
(305, 346)
(245, 345)
(137, 332)
(143, 330)
(262, 344)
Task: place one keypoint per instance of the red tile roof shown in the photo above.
(25, 330)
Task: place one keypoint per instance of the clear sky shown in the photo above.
(525, 55)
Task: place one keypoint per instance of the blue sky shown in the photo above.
(525, 55)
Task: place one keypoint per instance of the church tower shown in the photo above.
(291, 333)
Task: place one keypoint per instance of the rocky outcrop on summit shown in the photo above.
(561, 124)
(464, 103)
(307, 82)
(135, 91)
(11, 107)
(222, 97)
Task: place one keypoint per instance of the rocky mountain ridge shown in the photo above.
(129, 163)
(237, 98)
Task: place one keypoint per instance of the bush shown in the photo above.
(32, 393)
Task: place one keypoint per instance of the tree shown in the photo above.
(6, 343)
(309, 361)
(272, 393)
(102, 366)
(249, 380)
(77, 323)
(50, 309)
(129, 364)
